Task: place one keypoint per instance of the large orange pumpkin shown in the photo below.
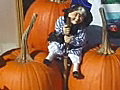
(13, 53)
(101, 72)
(29, 76)
(23, 73)
(48, 13)
(100, 69)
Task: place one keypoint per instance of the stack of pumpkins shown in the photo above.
(23, 68)
(21, 72)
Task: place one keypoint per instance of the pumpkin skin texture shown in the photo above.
(101, 72)
(48, 13)
(31, 71)
(29, 76)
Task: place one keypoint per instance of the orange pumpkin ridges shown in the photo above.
(27, 74)
(48, 13)
(100, 66)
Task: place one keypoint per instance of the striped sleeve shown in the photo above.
(59, 24)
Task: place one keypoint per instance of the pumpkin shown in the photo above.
(13, 53)
(23, 73)
(48, 12)
(100, 66)
(29, 76)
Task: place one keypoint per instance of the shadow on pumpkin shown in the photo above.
(2, 63)
(5, 88)
(34, 53)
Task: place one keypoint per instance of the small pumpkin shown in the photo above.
(23, 73)
(48, 13)
(100, 67)
(13, 53)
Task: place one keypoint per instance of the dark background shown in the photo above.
(26, 5)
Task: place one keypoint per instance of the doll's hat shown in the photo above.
(84, 3)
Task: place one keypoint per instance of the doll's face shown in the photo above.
(77, 16)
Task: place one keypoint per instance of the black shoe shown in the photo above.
(76, 74)
(47, 62)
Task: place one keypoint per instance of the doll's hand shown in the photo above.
(66, 30)
(68, 39)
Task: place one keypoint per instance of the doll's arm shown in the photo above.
(79, 40)
(59, 25)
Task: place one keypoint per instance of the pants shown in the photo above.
(56, 49)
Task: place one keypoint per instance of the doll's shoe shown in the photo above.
(47, 62)
(76, 74)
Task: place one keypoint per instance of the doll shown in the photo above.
(80, 17)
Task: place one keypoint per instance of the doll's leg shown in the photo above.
(76, 63)
(54, 49)
(49, 58)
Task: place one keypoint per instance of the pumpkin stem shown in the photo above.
(24, 56)
(106, 46)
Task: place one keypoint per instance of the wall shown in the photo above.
(96, 4)
(8, 25)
